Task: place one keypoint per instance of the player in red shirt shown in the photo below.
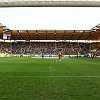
(92, 56)
(59, 56)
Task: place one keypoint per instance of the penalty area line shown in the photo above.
(50, 76)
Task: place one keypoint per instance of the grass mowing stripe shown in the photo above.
(53, 76)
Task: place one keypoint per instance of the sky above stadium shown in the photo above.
(50, 18)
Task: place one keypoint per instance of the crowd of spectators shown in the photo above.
(5, 47)
(49, 48)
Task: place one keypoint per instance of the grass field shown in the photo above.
(26, 78)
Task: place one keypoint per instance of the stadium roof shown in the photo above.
(53, 35)
(49, 3)
(93, 34)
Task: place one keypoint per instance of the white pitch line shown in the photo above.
(52, 76)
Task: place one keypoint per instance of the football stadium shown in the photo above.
(48, 64)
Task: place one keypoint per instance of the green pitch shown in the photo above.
(26, 78)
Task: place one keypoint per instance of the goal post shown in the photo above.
(51, 3)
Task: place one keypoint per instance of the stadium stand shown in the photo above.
(49, 48)
(27, 47)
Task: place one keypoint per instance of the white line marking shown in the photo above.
(54, 76)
